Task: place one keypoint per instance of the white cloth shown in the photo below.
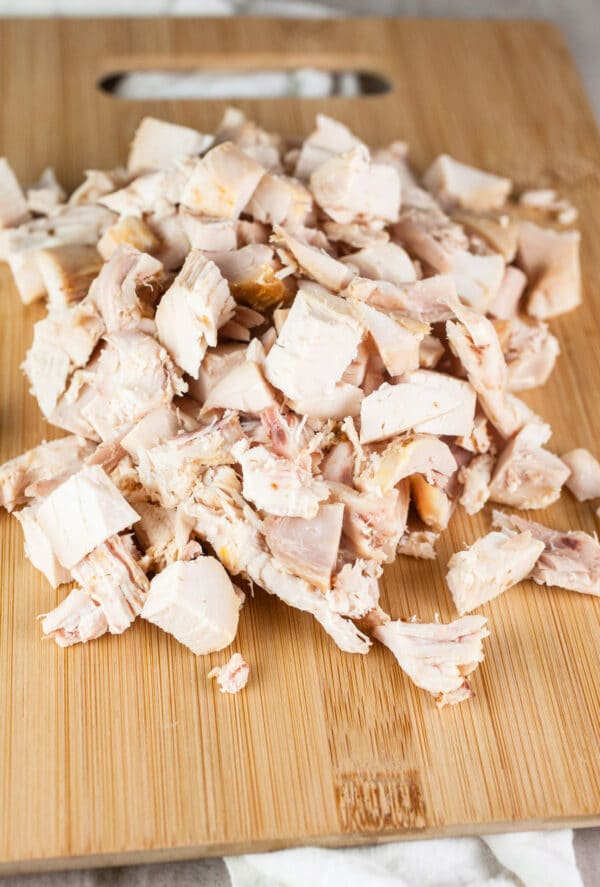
(526, 859)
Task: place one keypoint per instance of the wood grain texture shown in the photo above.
(121, 750)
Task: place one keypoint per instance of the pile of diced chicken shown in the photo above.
(286, 365)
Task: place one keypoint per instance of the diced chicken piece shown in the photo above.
(492, 565)
(328, 140)
(154, 428)
(82, 513)
(156, 144)
(396, 155)
(403, 457)
(526, 475)
(163, 533)
(257, 143)
(216, 364)
(308, 547)
(13, 206)
(431, 352)
(154, 192)
(428, 233)
(233, 676)
(62, 341)
(584, 479)
(173, 243)
(38, 471)
(505, 303)
(280, 487)
(244, 388)
(135, 375)
(373, 523)
(251, 273)
(419, 544)
(476, 477)
(425, 299)
(75, 621)
(433, 505)
(118, 291)
(222, 183)
(70, 226)
(337, 403)
(231, 531)
(239, 327)
(499, 231)
(437, 657)
(129, 230)
(457, 184)
(112, 576)
(46, 195)
(38, 548)
(383, 261)
(67, 272)
(311, 261)
(212, 235)
(355, 589)
(530, 351)
(279, 200)
(80, 392)
(397, 341)
(354, 234)
(318, 341)
(351, 188)
(569, 560)
(423, 401)
(550, 259)
(169, 472)
(98, 183)
(196, 602)
(474, 341)
(478, 277)
(192, 310)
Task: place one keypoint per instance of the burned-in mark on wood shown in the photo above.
(380, 801)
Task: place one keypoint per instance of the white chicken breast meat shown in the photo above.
(291, 361)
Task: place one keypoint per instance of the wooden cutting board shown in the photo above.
(121, 750)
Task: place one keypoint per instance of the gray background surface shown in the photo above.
(580, 22)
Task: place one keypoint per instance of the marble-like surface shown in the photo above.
(580, 21)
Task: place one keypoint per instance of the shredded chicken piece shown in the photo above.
(233, 676)
(527, 475)
(437, 657)
(76, 620)
(493, 564)
(419, 543)
(569, 560)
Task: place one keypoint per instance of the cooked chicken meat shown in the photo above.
(268, 352)
(584, 479)
(568, 560)
(233, 676)
(196, 602)
(493, 564)
(437, 657)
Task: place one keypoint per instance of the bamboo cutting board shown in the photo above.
(121, 750)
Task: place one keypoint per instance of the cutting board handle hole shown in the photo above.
(272, 83)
